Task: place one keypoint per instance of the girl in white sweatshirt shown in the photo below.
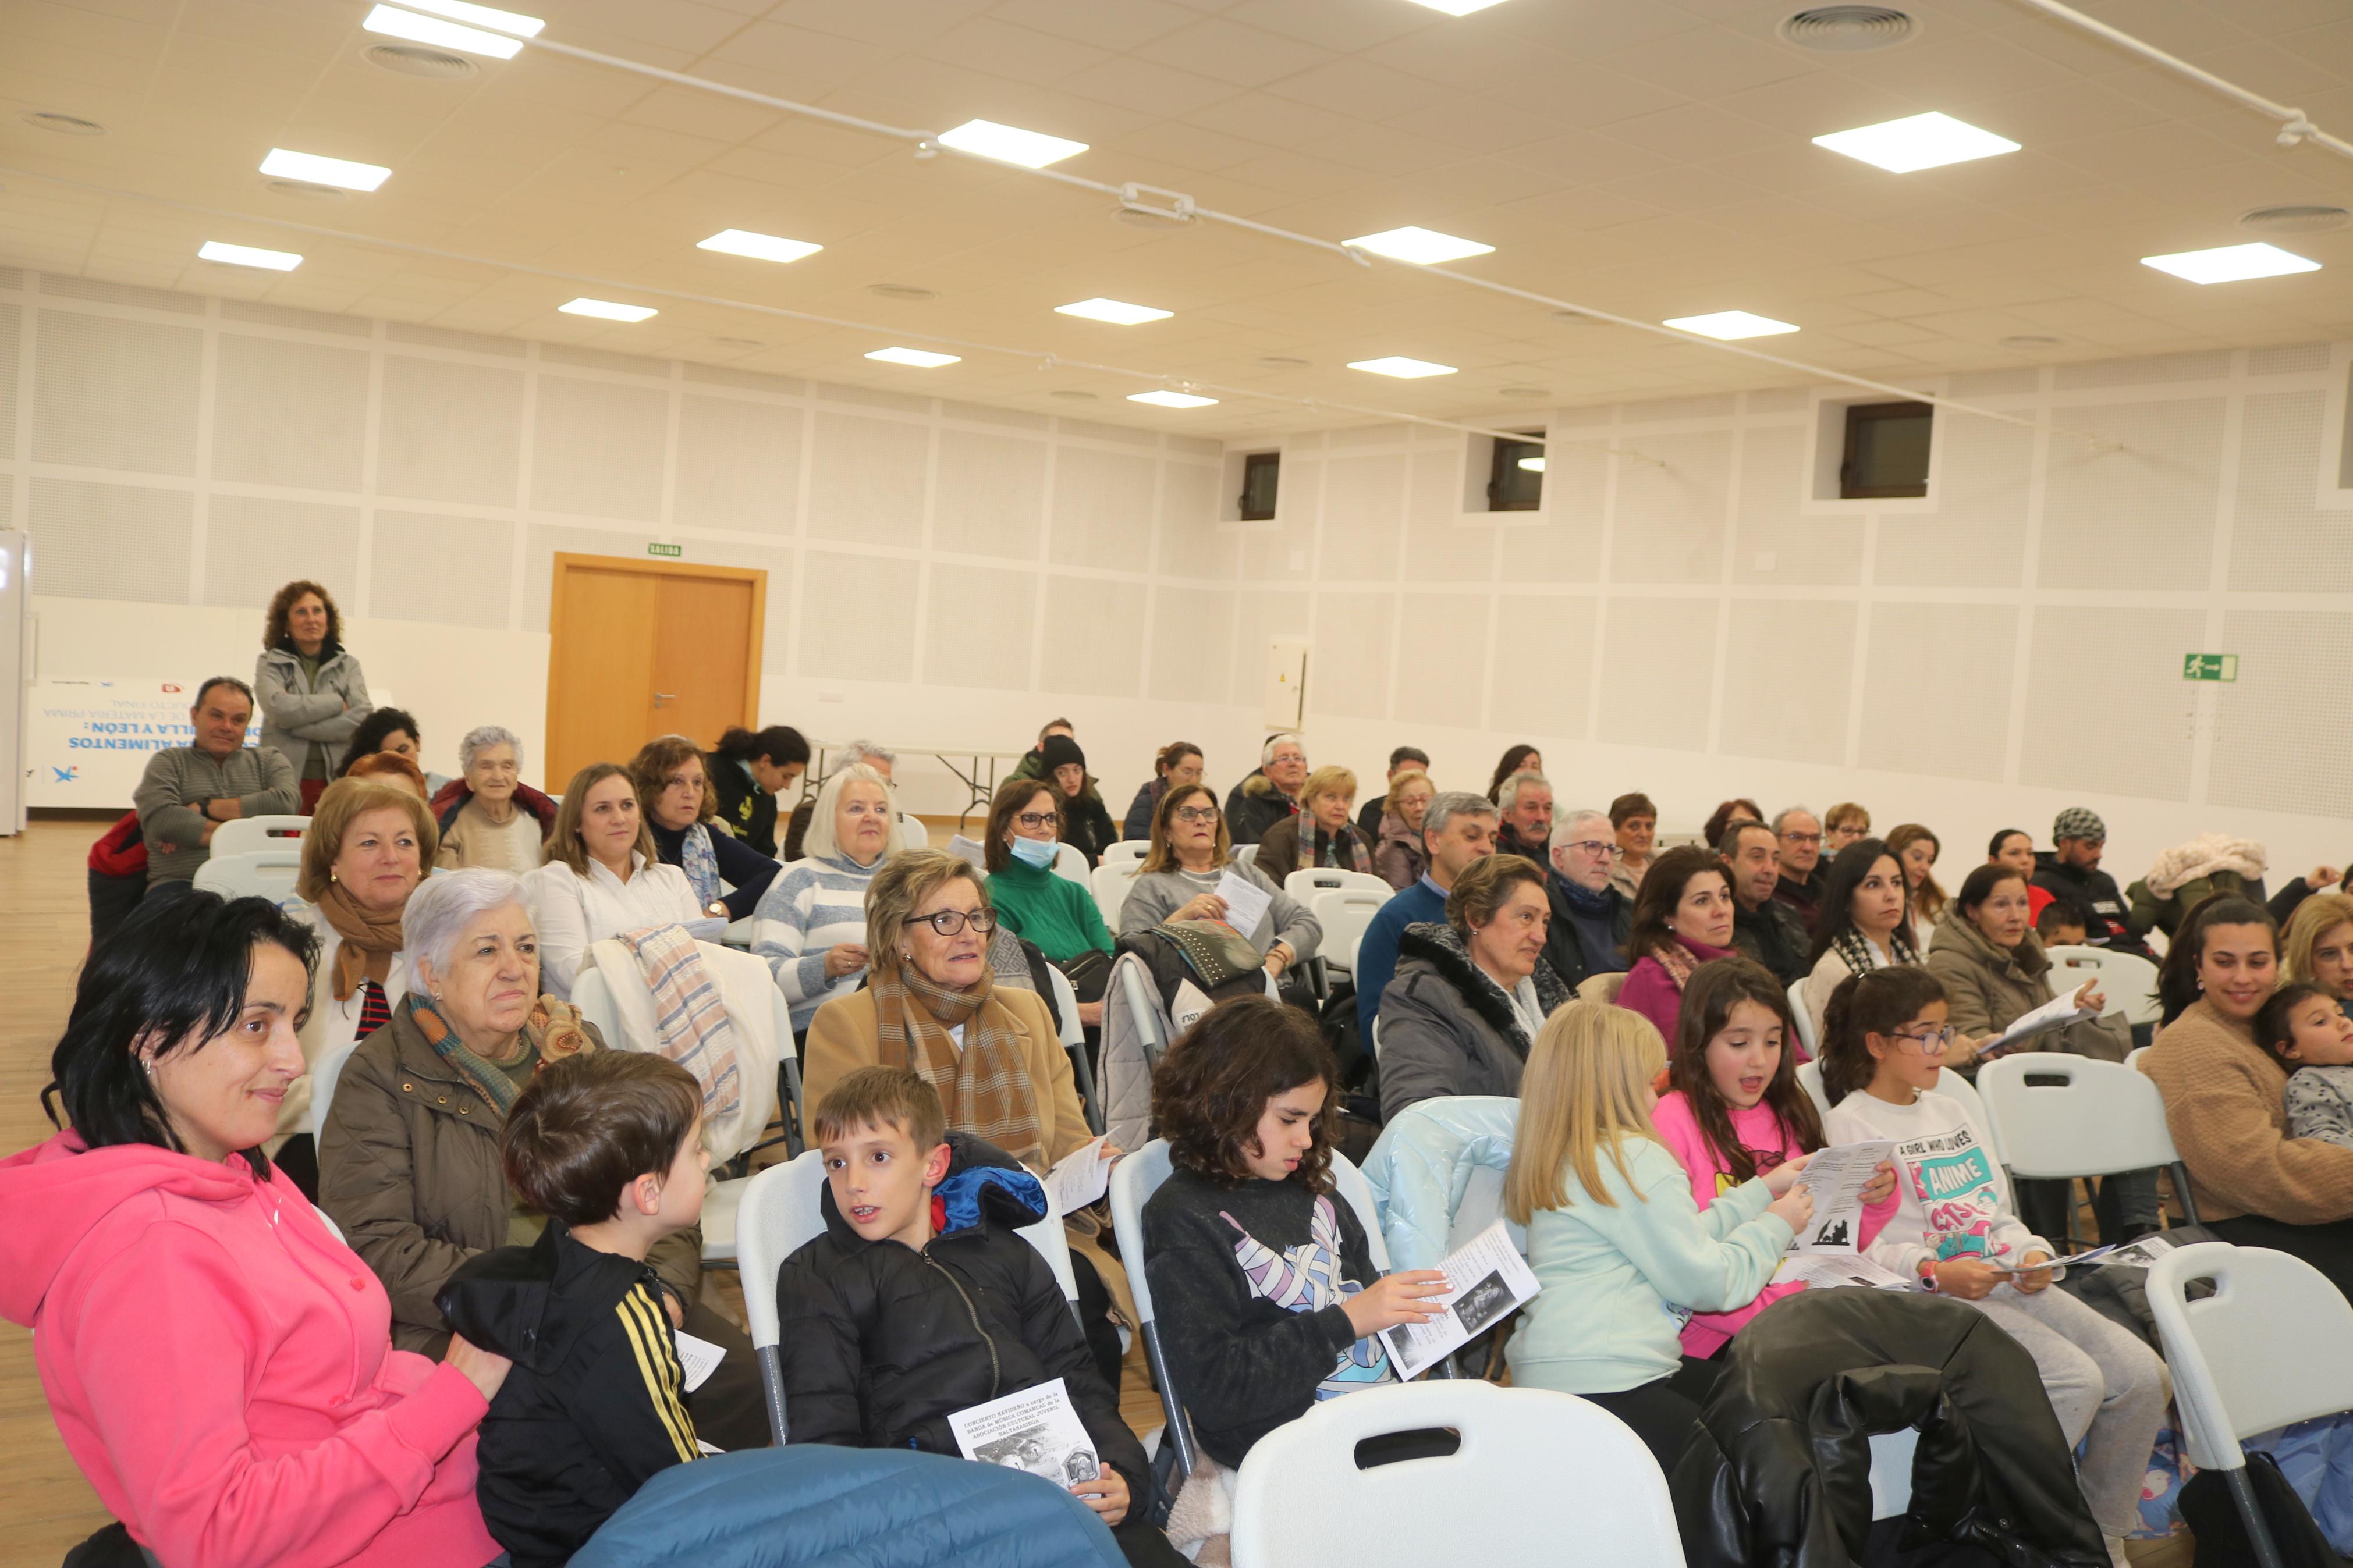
(1954, 1230)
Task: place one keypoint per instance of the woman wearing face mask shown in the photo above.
(1086, 825)
(810, 926)
(1035, 903)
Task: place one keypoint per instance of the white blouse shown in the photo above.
(575, 910)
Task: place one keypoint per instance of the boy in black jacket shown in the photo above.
(921, 1299)
(608, 1146)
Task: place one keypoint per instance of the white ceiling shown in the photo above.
(1644, 157)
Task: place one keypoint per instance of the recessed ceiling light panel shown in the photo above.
(1424, 246)
(1117, 312)
(758, 247)
(1918, 141)
(1403, 368)
(312, 169)
(394, 23)
(1729, 325)
(922, 358)
(2231, 263)
(607, 310)
(1010, 144)
(1170, 399)
(1458, 8)
(488, 17)
(249, 256)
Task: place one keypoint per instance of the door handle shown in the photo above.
(659, 697)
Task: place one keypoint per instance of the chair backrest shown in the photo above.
(2132, 1057)
(1345, 913)
(2272, 1346)
(1810, 1079)
(1127, 852)
(1308, 882)
(2128, 979)
(1351, 1185)
(257, 874)
(1113, 881)
(1071, 864)
(1803, 1016)
(1953, 1086)
(2096, 1119)
(247, 834)
(1066, 1007)
(761, 1017)
(917, 835)
(1602, 988)
(1531, 1461)
(1133, 1180)
(1246, 855)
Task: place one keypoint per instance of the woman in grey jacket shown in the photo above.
(310, 692)
(1189, 856)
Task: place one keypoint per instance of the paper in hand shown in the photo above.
(1036, 1430)
(1836, 1176)
(2056, 1014)
(1488, 1278)
(1246, 901)
(1831, 1271)
(697, 1358)
(1079, 1178)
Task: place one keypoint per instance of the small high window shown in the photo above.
(1261, 477)
(1516, 482)
(1886, 452)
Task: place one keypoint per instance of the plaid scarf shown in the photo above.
(690, 1015)
(1855, 948)
(553, 1031)
(985, 1086)
(1677, 959)
(1341, 851)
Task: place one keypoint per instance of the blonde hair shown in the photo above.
(898, 889)
(1587, 1089)
(341, 803)
(2314, 919)
(820, 841)
(1331, 779)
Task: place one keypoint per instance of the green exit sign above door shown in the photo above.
(2210, 666)
(678, 550)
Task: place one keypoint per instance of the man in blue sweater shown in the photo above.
(1458, 828)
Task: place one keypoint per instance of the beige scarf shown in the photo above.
(985, 1086)
(369, 940)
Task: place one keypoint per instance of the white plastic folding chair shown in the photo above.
(1953, 1086)
(1810, 1079)
(1308, 882)
(2128, 979)
(1132, 1182)
(1071, 865)
(2234, 1375)
(1799, 1013)
(1127, 852)
(1112, 884)
(1246, 855)
(1074, 1040)
(1531, 1463)
(258, 874)
(917, 835)
(245, 835)
(2058, 1116)
(1345, 913)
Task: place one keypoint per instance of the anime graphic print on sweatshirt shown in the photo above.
(1306, 1279)
(1951, 1177)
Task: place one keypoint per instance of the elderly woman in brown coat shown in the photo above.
(408, 1155)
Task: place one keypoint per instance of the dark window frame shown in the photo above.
(1253, 463)
(1862, 414)
(1505, 474)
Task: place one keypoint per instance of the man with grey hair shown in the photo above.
(1590, 918)
(1798, 836)
(1458, 828)
(1525, 801)
(1269, 793)
(880, 759)
(487, 815)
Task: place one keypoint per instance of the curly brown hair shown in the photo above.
(274, 626)
(1212, 1087)
(658, 758)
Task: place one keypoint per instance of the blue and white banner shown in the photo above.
(87, 741)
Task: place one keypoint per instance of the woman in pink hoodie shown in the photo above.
(1735, 1110)
(219, 1364)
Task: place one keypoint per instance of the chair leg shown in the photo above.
(789, 1097)
(2181, 1191)
(2250, 1515)
(772, 1383)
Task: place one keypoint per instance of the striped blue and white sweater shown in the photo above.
(816, 904)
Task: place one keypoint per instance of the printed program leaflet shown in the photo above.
(1036, 1430)
(1489, 1277)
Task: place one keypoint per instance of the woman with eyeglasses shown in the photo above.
(1035, 902)
(1178, 880)
(810, 926)
(1955, 1231)
(681, 813)
(931, 1005)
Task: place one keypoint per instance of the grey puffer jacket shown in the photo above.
(1989, 989)
(295, 714)
(1446, 1027)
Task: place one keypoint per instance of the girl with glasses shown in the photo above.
(1955, 1231)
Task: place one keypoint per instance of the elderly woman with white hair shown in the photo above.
(408, 1157)
(489, 816)
(810, 926)
(867, 753)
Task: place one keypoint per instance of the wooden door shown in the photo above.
(641, 648)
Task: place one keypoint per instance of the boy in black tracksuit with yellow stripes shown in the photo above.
(608, 1147)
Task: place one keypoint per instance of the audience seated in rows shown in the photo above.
(1799, 835)
(1682, 919)
(1842, 825)
(1190, 856)
(1860, 926)
(1399, 858)
(1321, 835)
(488, 815)
(1086, 823)
(864, 754)
(1634, 821)
(1458, 828)
(1177, 762)
(1727, 812)
(1916, 849)
(187, 791)
(675, 800)
(388, 767)
(1762, 926)
(603, 877)
(1520, 759)
(1591, 916)
(1270, 792)
(2071, 870)
(749, 771)
(1469, 992)
(1403, 761)
(810, 926)
(1526, 823)
(1035, 903)
(392, 730)
(312, 694)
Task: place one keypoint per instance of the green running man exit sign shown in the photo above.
(2210, 666)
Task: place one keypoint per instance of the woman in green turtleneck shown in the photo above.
(1031, 899)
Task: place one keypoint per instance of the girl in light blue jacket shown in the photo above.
(1624, 1255)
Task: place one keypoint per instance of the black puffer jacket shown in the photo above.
(1254, 805)
(1446, 1027)
(880, 1343)
(1779, 1471)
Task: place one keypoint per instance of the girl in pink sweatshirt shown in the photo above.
(1735, 1111)
(219, 1364)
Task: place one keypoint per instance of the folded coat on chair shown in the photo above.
(1779, 1471)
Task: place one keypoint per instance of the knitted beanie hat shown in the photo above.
(2079, 822)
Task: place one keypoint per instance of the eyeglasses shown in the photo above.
(1196, 813)
(1936, 1042)
(1801, 837)
(1600, 849)
(951, 922)
(1034, 820)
